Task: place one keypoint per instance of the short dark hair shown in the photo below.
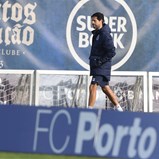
(99, 16)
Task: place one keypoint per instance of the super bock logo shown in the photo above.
(21, 17)
(120, 19)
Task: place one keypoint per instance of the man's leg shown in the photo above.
(112, 97)
(92, 94)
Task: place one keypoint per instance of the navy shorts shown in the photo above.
(99, 80)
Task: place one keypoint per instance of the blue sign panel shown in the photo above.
(37, 35)
(71, 131)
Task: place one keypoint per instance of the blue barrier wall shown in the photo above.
(71, 131)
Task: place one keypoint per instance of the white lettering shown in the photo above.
(83, 40)
(39, 129)
(5, 7)
(82, 25)
(30, 14)
(104, 138)
(1, 40)
(7, 36)
(135, 131)
(137, 145)
(14, 35)
(145, 151)
(121, 27)
(116, 24)
(117, 40)
(119, 138)
(112, 23)
(28, 36)
(101, 149)
(83, 134)
(7, 52)
(52, 125)
(16, 12)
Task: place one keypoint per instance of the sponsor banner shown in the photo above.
(85, 132)
(37, 35)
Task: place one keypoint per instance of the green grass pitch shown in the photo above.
(9, 155)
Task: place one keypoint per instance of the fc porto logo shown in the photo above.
(120, 19)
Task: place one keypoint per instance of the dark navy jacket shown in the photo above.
(102, 49)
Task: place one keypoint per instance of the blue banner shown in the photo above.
(71, 131)
(56, 34)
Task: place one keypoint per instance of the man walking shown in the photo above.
(102, 52)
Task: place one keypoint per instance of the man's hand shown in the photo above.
(98, 62)
(95, 62)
